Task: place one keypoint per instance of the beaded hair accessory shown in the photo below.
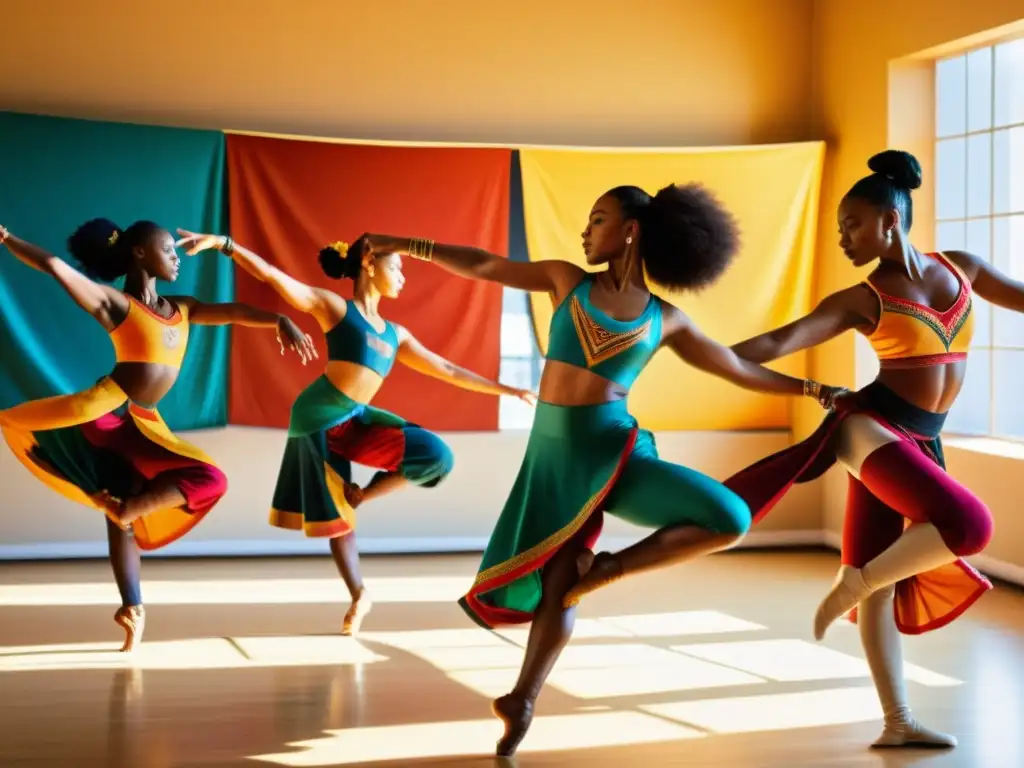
(340, 247)
(113, 238)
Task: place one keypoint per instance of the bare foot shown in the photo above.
(356, 613)
(353, 495)
(133, 620)
(605, 569)
(112, 507)
(516, 713)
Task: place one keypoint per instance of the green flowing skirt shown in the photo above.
(573, 459)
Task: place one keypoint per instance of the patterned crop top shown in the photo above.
(146, 337)
(354, 340)
(584, 336)
(912, 335)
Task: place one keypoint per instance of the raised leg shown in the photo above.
(694, 515)
(947, 520)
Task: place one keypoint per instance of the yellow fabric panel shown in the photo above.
(772, 190)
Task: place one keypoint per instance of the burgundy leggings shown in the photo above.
(899, 482)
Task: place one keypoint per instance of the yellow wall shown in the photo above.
(854, 45)
(531, 71)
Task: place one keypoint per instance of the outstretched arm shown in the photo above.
(95, 298)
(836, 314)
(288, 333)
(555, 277)
(687, 341)
(413, 354)
(989, 283)
(305, 298)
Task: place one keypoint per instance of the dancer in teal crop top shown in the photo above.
(332, 423)
(584, 336)
(586, 455)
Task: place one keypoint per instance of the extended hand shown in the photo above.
(290, 335)
(4, 234)
(194, 242)
(528, 397)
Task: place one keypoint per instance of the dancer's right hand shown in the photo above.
(4, 234)
(194, 242)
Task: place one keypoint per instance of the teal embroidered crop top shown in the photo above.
(584, 336)
(354, 340)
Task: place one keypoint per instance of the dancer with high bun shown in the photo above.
(107, 446)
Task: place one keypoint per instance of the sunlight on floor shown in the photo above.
(199, 653)
(477, 737)
(418, 589)
(774, 712)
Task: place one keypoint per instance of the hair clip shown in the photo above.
(113, 238)
(341, 247)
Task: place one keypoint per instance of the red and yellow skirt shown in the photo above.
(98, 440)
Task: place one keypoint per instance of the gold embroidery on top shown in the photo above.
(598, 343)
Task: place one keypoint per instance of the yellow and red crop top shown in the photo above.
(146, 337)
(912, 335)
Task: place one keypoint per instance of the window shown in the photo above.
(520, 358)
(979, 208)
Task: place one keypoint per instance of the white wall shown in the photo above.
(458, 515)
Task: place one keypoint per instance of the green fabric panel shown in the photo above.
(58, 173)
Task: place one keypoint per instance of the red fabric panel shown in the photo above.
(288, 199)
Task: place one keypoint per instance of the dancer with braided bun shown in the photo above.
(332, 423)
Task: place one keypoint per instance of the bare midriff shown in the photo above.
(934, 388)
(145, 383)
(565, 384)
(353, 380)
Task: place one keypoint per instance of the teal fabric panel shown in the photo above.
(57, 173)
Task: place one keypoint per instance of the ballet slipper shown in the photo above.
(848, 590)
(902, 730)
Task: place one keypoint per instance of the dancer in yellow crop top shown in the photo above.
(908, 522)
(107, 447)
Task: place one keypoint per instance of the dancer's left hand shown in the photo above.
(291, 336)
(194, 242)
(828, 397)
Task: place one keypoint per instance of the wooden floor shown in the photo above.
(709, 664)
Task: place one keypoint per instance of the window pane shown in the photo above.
(1008, 255)
(516, 372)
(951, 236)
(979, 90)
(979, 175)
(951, 96)
(970, 414)
(979, 239)
(979, 242)
(1009, 401)
(950, 179)
(513, 301)
(1009, 75)
(517, 339)
(1008, 159)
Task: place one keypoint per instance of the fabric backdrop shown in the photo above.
(773, 190)
(58, 173)
(289, 198)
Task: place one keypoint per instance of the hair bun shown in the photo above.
(337, 262)
(901, 167)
